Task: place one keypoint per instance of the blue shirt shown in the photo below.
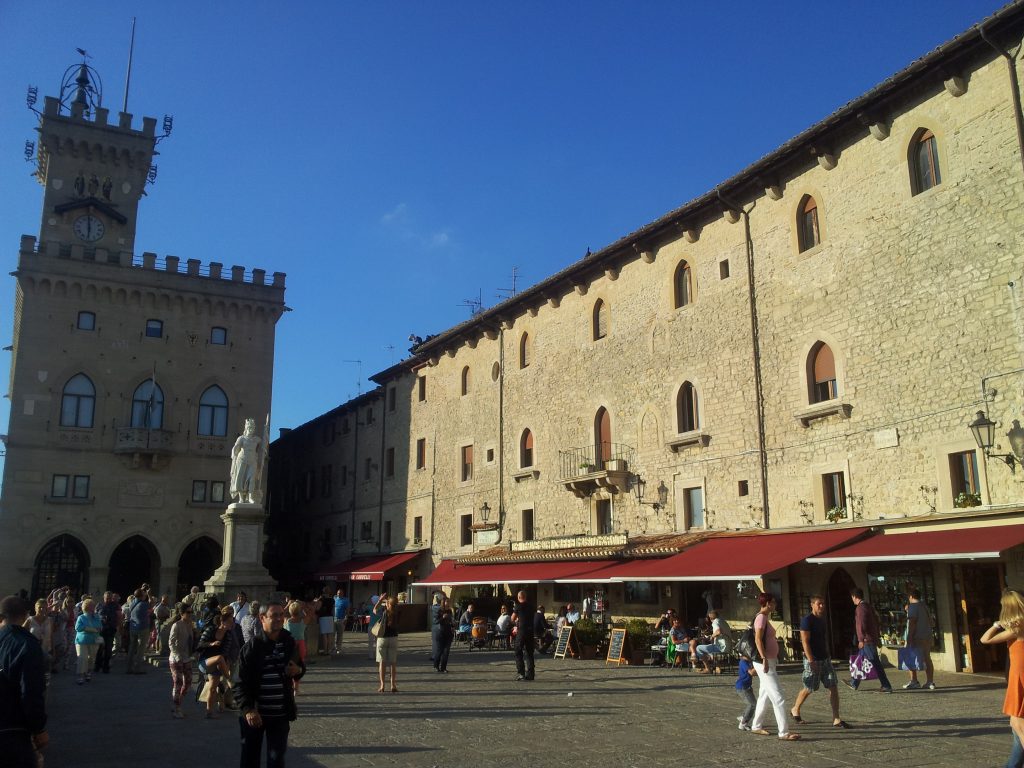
(341, 605)
(91, 622)
(140, 617)
(744, 681)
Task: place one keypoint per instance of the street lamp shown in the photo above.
(639, 486)
(485, 511)
(984, 431)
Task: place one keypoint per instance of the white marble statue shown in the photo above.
(245, 462)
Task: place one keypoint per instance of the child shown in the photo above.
(744, 685)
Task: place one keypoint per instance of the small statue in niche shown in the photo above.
(108, 185)
(244, 463)
(94, 184)
(80, 184)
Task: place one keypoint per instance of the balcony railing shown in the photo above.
(141, 440)
(606, 457)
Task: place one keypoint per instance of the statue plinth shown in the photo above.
(242, 569)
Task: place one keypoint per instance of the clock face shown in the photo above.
(89, 228)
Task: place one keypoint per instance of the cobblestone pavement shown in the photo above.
(479, 716)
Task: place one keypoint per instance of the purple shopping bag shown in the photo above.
(861, 668)
(910, 659)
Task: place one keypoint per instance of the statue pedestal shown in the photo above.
(242, 569)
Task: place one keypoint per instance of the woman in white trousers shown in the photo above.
(767, 673)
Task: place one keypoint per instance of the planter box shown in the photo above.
(588, 652)
(615, 465)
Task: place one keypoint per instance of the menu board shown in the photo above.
(616, 647)
(562, 643)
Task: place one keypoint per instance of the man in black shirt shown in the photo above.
(523, 617)
(22, 690)
(268, 664)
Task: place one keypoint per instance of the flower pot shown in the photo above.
(637, 658)
(588, 652)
(615, 465)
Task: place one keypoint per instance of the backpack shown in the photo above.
(746, 645)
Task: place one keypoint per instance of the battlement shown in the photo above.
(51, 109)
(149, 261)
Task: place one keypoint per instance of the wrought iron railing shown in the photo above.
(601, 457)
(141, 440)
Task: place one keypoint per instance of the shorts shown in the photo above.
(327, 625)
(826, 675)
(387, 650)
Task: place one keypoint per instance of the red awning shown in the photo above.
(450, 573)
(619, 570)
(366, 568)
(955, 544)
(744, 557)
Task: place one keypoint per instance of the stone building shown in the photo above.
(769, 387)
(131, 375)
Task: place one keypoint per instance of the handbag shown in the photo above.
(862, 668)
(377, 630)
(909, 659)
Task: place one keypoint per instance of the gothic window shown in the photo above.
(465, 380)
(821, 370)
(602, 437)
(924, 162)
(600, 319)
(526, 449)
(683, 285)
(687, 410)
(148, 406)
(213, 413)
(78, 402)
(808, 231)
(525, 352)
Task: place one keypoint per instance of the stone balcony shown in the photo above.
(584, 470)
(139, 441)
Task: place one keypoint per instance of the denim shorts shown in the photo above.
(826, 675)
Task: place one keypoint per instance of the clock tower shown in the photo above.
(93, 170)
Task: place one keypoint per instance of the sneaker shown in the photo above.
(913, 685)
(849, 684)
(930, 686)
(885, 690)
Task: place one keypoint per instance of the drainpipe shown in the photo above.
(1011, 65)
(355, 477)
(383, 451)
(755, 339)
(501, 429)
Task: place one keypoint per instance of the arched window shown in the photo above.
(600, 324)
(213, 413)
(683, 285)
(821, 373)
(148, 406)
(924, 162)
(465, 380)
(808, 231)
(526, 449)
(78, 402)
(687, 410)
(525, 352)
(602, 437)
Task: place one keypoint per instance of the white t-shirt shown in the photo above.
(504, 623)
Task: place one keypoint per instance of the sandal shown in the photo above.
(761, 732)
(790, 737)
(394, 690)
(797, 718)
(380, 690)
(841, 724)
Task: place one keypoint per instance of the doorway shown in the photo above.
(197, 563)
(135, 562)
(63, 562)
(977, 588)
(842, 629)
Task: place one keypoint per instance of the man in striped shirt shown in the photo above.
(269, 662)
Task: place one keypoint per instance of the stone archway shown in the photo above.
(198, 561)
(62, 562)
(133, 563)
(841, 628)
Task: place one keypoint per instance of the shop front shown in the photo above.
(960, 572)
(365, 577)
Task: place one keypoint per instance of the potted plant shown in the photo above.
(965, 499)
(586, 467)
(836, 514)
(588, 635)
(638, 635)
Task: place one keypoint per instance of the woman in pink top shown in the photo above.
(767, 672)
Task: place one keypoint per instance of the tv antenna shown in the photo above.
(359, 381)
(476, 306)
(391, 351)
(508, 293)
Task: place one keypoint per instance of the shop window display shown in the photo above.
(887, 593)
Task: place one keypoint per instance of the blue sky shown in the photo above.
(399, 158)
